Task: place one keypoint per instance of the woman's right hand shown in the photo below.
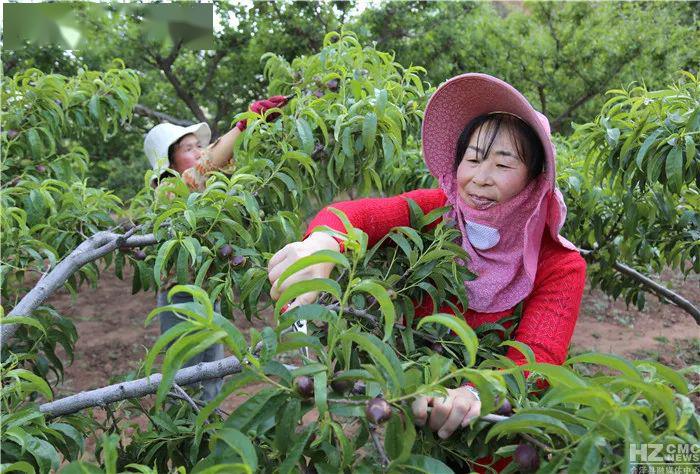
(289, 254)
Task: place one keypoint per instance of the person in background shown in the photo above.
(187, 151)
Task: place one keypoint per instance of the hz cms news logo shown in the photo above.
(665, 458)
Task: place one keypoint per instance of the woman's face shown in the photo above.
(187, 152)
(484, 181)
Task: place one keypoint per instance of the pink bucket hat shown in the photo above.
(504, 241)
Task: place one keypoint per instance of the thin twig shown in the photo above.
(378, 446)
(373, 320)
(185, 396)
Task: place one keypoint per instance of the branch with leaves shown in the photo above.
(94, 248)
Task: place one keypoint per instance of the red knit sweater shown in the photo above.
(549, 312)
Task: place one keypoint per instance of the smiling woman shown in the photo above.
(493, 157)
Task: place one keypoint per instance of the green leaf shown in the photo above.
(162, 259)
(382, 355)
(237, 442)
(297, 448)
(689, 148)
(557, 374)
(369, 131)
(669, 375)
(35, 382)
(284, 431)
(524, 349)
(307, 312)
(608, 360)
(385, 303)
(645, 148)
(321, 393)
(381, 97)
(307, 286)
(246, 412)
(322, 256)
(458, 326)
(23, 466)
(424, 464)
(519, 422)
(674, 169)
(269, 348)
(586, 457)
(305, 136)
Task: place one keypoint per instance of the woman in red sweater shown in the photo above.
(493, 157)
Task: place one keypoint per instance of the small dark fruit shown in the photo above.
(225, 251)
(526, 458)
(12, 134)
(340, 386)
(358, 388)
(40, 168)
(333, 84)
(318, 152)
(237, 260)
(139, 255)
(378, 410)
(506, 409)
(305, 386)
(318, 93)
(437, 347)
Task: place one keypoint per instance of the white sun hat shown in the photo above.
(159, 138)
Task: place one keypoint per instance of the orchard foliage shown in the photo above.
(632, 182)
(336, 398)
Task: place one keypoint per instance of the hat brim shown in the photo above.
(463, 98)
(201, 131)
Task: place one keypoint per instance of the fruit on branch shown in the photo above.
(437, 347)
(526, 458)
(40, 168)
(318, 93)
(237, 260)
(304, 386)
(359, 388)
(225, 251)
(319, 152)
(12, 134)
(506, 409)
(333, 85)
(139, 255)
(340, 386)
(378, 410)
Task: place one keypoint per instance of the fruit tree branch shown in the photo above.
(654, 287)
(94, 248)
(148, 112)
(140, 388)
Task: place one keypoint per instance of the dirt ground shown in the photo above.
(113, 340)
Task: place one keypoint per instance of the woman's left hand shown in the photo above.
(449, 413)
